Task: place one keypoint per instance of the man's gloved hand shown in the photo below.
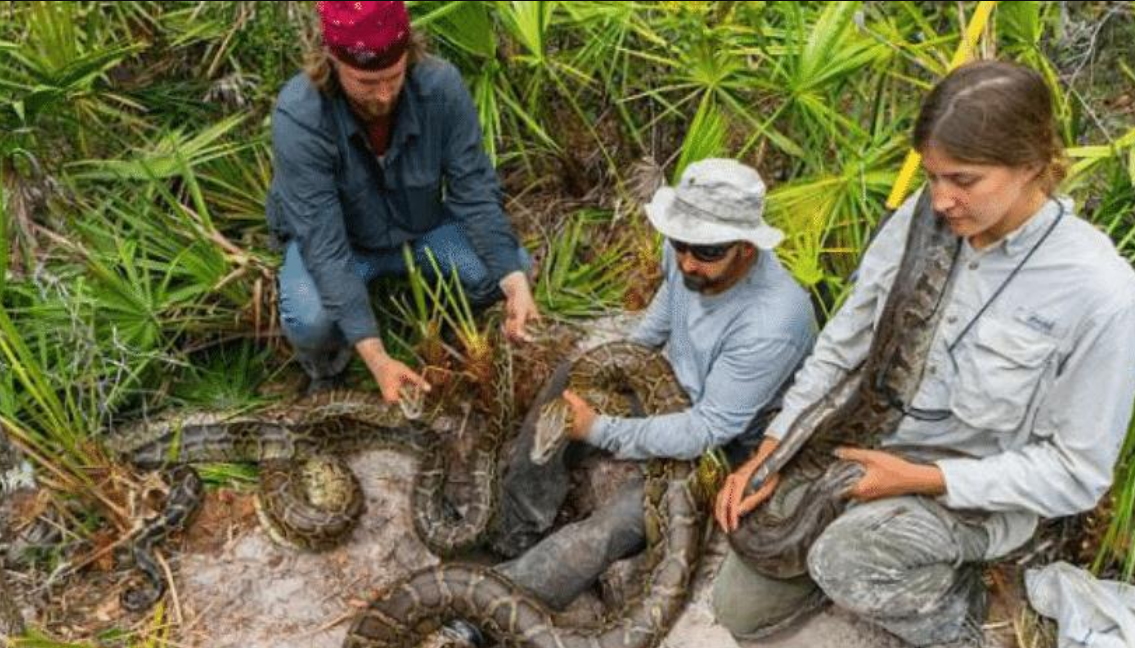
(520, 307)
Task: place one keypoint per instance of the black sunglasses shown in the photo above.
(703, 253)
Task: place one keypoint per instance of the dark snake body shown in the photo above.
(858, 411)
(186, 490)
(307, 496)
(410, 610)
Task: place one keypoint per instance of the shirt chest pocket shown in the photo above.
(414, 187)
(1000, 369)
(363, 212)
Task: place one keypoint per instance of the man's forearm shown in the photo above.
(373, 353)
(678, 435)
(513, 282)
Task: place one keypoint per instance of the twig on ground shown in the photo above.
(173, 597)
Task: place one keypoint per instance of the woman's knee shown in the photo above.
(737, 619)
(746, 602)
(872, 560)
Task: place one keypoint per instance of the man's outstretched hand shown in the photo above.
(583, 416)
(390, 374)
(520, 307)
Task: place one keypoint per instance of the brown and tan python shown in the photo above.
(859, 410)
(307, 496)
(618, 379)
(409, 611)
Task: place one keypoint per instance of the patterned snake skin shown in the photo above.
(307, 497)
(409, 611)
(859, 410)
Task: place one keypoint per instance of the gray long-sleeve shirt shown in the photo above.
(1039, 391)
(732, 353)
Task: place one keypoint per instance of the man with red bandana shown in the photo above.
(377, 145)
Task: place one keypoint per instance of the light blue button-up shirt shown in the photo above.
(733, 353)
(1039, 391)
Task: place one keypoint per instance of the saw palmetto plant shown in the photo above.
(137, 270)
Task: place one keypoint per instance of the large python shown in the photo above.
(859, 410)
(307, 496)
(409, 611)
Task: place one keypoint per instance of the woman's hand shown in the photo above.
(731, 503)
(888, 475)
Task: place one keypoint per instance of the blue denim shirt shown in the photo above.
(333, 195)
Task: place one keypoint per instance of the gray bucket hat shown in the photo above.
(716, 201)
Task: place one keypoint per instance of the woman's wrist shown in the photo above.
(926, 479)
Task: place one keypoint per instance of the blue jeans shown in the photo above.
(319, 344)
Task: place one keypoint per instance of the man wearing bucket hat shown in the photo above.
(735, 326)
(376, 146)
(734, 330)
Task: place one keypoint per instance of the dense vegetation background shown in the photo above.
(135, 267)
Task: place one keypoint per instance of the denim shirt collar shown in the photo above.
(406, 116)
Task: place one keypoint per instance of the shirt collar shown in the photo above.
(1021, 240)
(406, 122)
(758, 273)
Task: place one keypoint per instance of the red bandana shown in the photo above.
(366, 35)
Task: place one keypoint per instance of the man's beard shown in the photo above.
(725, 277)
(695, 283)
(370, 111)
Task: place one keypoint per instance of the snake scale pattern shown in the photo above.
(307, 495)
(859, 410)
(410, 610)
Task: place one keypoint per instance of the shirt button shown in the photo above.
(951, 319)
(933, 370)
(973, 265)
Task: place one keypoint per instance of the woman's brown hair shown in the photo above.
(320, 68)
(992, 112)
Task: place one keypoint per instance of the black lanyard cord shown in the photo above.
(941, 415)
(1004, 284)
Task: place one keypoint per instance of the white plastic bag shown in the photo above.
(1090, 613)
